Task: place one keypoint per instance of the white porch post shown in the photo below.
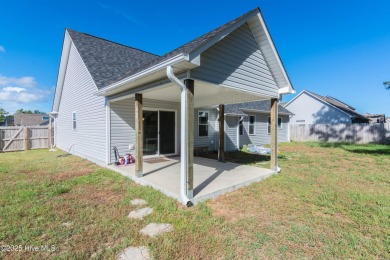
(189, 83)
(274, 134)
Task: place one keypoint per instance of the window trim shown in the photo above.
(74, 120)
(208, 119)
(269, 124)
(249, 125)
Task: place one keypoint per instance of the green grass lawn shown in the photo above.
(329, 201)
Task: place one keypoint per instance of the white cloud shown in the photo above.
(13, 89)
(2, 49)
(20, 82)
(16, 94)
(24, 92)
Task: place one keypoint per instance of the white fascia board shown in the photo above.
(66, 46)
(279, 61)
(170, 62)
(286, 90)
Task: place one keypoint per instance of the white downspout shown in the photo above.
(54, 115)
(184, 136)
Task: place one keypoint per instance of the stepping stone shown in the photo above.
(134, 253)
(137, 202)
(154, 229)
(67, 224)
(140, 213)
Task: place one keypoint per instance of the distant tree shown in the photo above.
(38, 112)
(386, 84)
(3, 114)
(22, 111)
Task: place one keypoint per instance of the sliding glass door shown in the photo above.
(159, 132)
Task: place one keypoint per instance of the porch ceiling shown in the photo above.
(206, 94)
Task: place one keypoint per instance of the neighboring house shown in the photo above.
(108, 94)
(376, 118)
(311, 108)
(21, 119)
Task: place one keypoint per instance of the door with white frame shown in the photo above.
(159, 132)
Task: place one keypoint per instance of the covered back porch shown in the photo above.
(166, 143)
(234, 63)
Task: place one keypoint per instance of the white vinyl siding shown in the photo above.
(231, 128)
(89, 141)
(237, 62)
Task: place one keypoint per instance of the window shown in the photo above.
(74, 119)
(279, 124)
(252, 121)
(45, 118)
(240, 126)
(203, 123)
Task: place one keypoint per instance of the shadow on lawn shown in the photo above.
(241, 157)
(373, 149)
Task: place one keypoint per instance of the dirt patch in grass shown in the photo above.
(65, 175)
(92, 195)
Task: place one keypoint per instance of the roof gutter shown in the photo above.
(184, 136)
(143, 73)
(286, 90)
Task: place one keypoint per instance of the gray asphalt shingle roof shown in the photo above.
(342, 106)
(109, 62)
(261, 106)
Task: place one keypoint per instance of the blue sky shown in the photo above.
(339, 48)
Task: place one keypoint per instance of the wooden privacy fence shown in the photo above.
(17, 138)
(356, 133)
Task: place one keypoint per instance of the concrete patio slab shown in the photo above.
(211, 177)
